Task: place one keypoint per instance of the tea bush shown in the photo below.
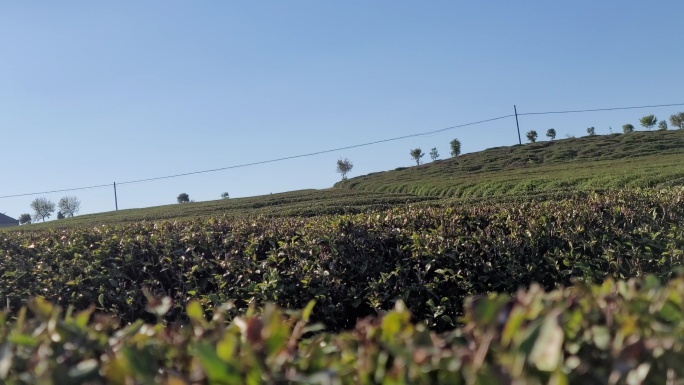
(354, 266)
(620, 332)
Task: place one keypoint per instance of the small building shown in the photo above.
(6, 221)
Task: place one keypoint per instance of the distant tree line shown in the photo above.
(648, 122)
(185, 198)
(417, 153)
(344, 166)
(43, 208)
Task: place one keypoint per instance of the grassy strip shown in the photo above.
(616, 333)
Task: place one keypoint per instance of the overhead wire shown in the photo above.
(599, 109)
(269, 160)
(56, 191)
(315, 153)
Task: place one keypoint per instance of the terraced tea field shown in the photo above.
(559, 275)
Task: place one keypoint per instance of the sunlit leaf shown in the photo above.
(216, 370)
(5, 360)
(548, 348)
(84, 370)
(195, 312)
(306, 313)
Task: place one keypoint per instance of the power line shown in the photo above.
(317, 152)
(600, 109)
(55, 191)
(267, 161)
(341, 148)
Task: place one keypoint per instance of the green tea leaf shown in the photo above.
(23, 340)
(195, 312)
(306, 313)
(41, 308)
(216, 370)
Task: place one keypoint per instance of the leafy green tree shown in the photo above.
(183, 198)
(648, 121)
(416, 154)
(591, 131)
(42, 208)
(677, 120)
(225, 195)
(344, 166)
(532, 136)
(662, 126)
(434, 154)
(60, 215)
(455, 147)
(24, 219)
(69, 206)
(627, 128)
(551, 133)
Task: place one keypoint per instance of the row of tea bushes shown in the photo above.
(431, 258)
(620, 332)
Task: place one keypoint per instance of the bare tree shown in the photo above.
(69, 206)
(42, 208)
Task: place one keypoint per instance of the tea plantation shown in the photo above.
(637, 159)
(353, 285)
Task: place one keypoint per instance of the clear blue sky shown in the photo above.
(95, 92)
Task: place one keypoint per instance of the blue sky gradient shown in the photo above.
(97, 92)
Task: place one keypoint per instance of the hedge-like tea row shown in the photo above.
(616, 333)
(431, 258)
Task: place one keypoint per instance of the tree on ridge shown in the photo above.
(455, 147)
(648, 121)
(416, 154)
(69, 205)
(43, 208)
(551, 133)
(344, 166)
(183, 198)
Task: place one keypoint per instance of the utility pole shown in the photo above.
(516, 123)
(116, 202)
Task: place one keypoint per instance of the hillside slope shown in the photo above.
(638, 159)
